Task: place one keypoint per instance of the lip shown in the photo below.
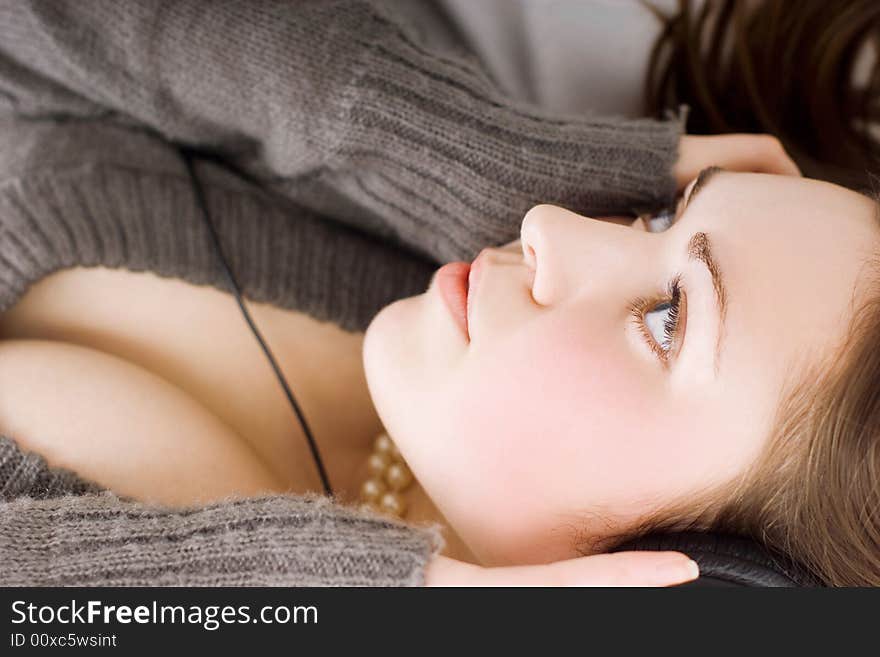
(476, 270)
(452, 279)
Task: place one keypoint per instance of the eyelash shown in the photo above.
(677, 299)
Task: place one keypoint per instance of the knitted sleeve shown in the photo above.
(339, 104)
(58, 530)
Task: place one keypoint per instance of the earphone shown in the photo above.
(187, 156)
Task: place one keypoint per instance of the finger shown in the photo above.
(734, 152)
(785, 166)
(765, 154)
(632, 568)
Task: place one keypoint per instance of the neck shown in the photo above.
(345, 433)
(422, 509)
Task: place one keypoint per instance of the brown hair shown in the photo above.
(814, 492)
(779, 69)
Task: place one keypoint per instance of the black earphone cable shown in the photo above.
(236, 290)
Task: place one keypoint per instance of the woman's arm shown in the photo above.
(57, 529)
(335, 104)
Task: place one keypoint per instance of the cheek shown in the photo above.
(550, 419)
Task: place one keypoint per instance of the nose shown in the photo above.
(568, 252)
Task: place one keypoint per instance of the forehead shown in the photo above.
(792, 252)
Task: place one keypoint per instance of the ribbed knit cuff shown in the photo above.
(436, 143)
(436, 148)
(100, 540)
(59, 530)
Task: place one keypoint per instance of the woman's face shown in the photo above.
(558, 418)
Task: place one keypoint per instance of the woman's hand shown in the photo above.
(734, 152)
(633, 568)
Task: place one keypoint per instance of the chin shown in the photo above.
(390, 341)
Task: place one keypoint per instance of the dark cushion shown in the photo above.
(727, 560)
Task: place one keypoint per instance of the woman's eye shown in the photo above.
(661, 321)
(657, 222)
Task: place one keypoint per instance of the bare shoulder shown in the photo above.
(119, 424)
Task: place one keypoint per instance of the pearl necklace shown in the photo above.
(389, 477)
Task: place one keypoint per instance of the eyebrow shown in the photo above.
(699, 248)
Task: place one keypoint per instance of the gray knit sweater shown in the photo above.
(372, 148)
